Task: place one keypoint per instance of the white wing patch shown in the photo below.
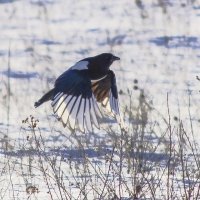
(93, 114)
(68, 105)
(105, 101)
(111, 107)
(87, 115)
(76, 111)
(96, 107)
(80, 116)
(96, 80)
(83, 113)
(81, 65)
(56, 98)
(114, 104)
(73, 113)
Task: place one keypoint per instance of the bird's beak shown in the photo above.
(115, 58)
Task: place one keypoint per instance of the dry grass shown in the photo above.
(139, 164)
(156, 159)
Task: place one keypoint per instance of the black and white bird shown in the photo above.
(79, 93)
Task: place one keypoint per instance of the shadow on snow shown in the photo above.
(76, 154)
(19, 74)
(177, 41)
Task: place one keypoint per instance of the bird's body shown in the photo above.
(77, 91)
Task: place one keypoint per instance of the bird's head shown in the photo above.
(99, 65)
(106, 59)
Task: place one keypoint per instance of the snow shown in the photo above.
(158, 44)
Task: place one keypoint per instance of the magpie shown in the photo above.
(80, 91)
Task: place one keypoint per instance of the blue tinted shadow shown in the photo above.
(19, 74)
(177, 41)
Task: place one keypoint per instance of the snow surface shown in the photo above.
(158, 46)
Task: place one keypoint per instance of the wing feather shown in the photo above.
(87, 115)
(76, 97)
(80, 115)
(73, 99)
(68, 108)
(105, 92)
(73, 113)
(93, 114)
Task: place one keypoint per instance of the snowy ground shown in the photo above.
(158, 43)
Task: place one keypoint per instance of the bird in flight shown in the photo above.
(79, 91)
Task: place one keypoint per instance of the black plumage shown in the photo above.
(77, 91)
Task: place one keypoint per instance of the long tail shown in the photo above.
(48, 96)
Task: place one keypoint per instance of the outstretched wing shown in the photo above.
(105, 92)
(74, 102)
